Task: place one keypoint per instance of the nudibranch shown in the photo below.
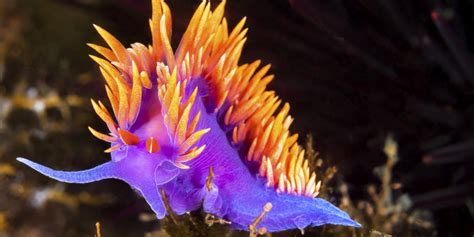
(198, 127)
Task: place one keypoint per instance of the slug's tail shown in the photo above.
(104, 171)
(287, 211)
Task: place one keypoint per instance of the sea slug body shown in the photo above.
(199, 127)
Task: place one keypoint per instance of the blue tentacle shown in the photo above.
(104, 171)
(154, 199)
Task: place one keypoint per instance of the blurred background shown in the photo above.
(383, 88)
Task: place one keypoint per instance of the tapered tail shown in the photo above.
(104, 171)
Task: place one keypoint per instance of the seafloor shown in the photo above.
(384, 87)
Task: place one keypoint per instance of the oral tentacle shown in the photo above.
(100, 172)
(152, 195)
